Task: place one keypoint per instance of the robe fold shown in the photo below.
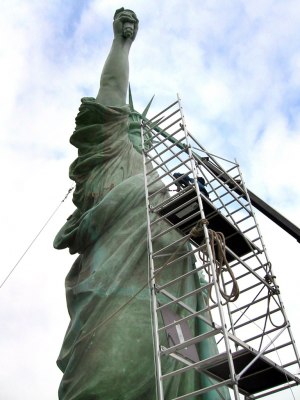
(108, 355)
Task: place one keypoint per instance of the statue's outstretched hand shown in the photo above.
(126, 25)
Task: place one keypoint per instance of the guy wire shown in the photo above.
(35, 238)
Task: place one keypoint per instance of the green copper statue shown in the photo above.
(106, 356)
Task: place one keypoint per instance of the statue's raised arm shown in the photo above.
(115, 74)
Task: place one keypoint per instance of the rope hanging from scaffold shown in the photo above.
(218, 247)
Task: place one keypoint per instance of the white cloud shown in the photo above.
(236, 67)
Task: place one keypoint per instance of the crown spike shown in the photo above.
(130, 99)
(131, 106)
(144, 113)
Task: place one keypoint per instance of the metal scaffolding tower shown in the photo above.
(244, 312)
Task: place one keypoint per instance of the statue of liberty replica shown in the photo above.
(107, 352)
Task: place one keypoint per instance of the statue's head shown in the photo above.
(134, 125)
(134, 130)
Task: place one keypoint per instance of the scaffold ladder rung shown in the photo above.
(165, 162)
(189, 342)
(205, 390)
(179, 299)
(193, 315)
(159, 132)
(176, 142)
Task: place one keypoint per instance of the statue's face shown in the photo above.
(135, 138)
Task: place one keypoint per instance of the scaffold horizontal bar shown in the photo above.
(197, 365)
(212, 214)
(256, 318)
(205, 390)
(166, 109)
(189, 342)
(290, 363)
(249, 304)
(236, 210)
(251, 287)
(249, 229)
(236, 198)
(180, 258)
(179, 278)
(182, 239)
(172, 262)
(165, 162)
(249, 256)
(174, 211)
(261, 371)
(259, 355)
(278, 347)
(237, 263)
(161, 142)
(184, 192)
(178, 321)
(222, 183)
(173, 169)
(279, 389)
(259, 278)
(176, 225)
(256, 239)
(179, 299)
(243, 219)
(151, 125)
(235, 178)
(166, 148)
(164, 119)
(209, 322)
(231, 169)
(246, 273)
(160, 133)
(162, 189)
(260, 335)
(227, 193)
(231, 201)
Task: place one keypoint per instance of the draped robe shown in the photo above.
(105, 355)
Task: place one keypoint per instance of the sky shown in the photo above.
(236, 66)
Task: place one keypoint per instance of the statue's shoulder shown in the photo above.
(91, 112)
(90, 102)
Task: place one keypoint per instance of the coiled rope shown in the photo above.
(219, 259)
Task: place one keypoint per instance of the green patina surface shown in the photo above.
(113, 360)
